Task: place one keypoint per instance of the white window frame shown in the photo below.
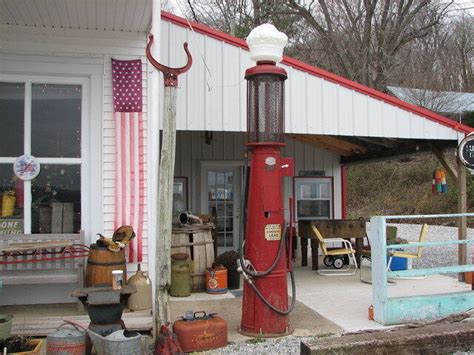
(312, 179)
(83, 161)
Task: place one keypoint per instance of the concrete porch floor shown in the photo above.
(334, 304)
(345, 299)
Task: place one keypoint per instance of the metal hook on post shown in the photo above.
(165, 183)
(170, 74)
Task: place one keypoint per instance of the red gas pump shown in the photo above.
(264, 263)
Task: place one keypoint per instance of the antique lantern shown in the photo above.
(264, 263)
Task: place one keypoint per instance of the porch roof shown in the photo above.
(317, 102)
(321, 108)
(109, 15)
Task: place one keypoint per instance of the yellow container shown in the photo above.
(8, 204)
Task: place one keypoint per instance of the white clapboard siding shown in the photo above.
(83, 48)
(191, 151)
(212, 94)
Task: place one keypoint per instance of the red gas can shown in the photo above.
(199, 331)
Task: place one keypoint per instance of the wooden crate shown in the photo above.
(197, 242)
(62, 217)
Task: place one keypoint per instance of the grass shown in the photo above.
(255, 340)
(401, 187)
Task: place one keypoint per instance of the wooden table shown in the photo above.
(334, 228)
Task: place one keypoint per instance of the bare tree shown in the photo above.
(411, 43)
(442, 61)
(361, 39)
(239, 17)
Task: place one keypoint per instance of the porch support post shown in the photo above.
(459, 176)
(449, 168)
(152, 163)
(462, 221)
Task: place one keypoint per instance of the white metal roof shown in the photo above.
(212, 94)
(110, 15)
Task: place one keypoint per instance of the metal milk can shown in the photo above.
(180, 275)
(142, 298)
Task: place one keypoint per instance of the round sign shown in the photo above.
(26, 167)
(270, 161)
(466, 151)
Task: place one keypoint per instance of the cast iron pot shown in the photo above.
(105, 314)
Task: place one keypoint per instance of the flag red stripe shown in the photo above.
(131, 123)
(141, 187)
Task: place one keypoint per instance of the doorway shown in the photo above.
(220, 197)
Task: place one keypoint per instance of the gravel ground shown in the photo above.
(431, 257)
(434, 256)
(286, 345)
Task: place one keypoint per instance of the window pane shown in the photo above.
(56, 120)
(11, 201)
(12, 104)
(179, 196)
(56, 196)
(314, 209)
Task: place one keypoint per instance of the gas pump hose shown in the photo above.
(269, 305)
(246, 273)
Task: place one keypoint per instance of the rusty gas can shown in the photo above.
(216, 279)
(198, 331)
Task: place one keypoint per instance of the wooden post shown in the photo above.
(165, 185)
(459, 175)
(166, 175)
(440, 156)
(462, 221)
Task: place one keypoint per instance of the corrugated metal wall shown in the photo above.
(212, 96)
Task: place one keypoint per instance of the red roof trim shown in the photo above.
(322, 74)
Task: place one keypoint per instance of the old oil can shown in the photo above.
(199, 331)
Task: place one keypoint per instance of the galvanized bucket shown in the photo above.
(66, 341)
(116, 343)
(5, 326)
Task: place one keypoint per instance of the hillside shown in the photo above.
(401, 186)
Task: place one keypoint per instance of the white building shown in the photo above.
(58, 53)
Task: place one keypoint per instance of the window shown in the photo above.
(313, 198)
(180, 195)
(43, 119)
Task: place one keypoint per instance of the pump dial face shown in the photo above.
(270, 161)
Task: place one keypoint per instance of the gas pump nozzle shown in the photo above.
(241, 268)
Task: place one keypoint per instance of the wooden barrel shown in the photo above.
(100, 264)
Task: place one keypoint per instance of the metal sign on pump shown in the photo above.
(264, 257)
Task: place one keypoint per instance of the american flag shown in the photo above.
(129, 178)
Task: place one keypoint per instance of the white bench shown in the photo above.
(18, 268)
